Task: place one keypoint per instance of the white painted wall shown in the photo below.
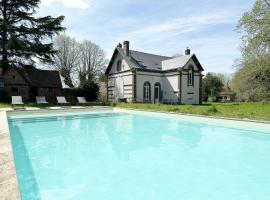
(171, 87)
(152, 78)
(120, 85)
(190, 94)
(125, 66)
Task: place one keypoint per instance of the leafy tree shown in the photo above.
(252, 78)
(23, 36)
(211, 85)
(226, 78)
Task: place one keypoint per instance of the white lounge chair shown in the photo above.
(82, 100)
(41, 100)
(62, 101)
(16, 101)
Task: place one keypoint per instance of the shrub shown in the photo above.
(174, 109)
(88, 89)
(212, 109)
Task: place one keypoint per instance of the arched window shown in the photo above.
(119, 65)
(190, 76)
(147, 92)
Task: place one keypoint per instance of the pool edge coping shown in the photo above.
(258, 126)
(201, 116)
(9, 185)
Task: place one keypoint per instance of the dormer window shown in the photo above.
(119, 65)
(190, 76)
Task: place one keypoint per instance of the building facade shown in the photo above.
(30, 83)
(142, 77)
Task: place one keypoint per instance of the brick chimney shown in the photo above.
(187, 51)
(120, 45)
(126, 47)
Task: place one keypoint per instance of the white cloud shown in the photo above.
(182, 25)
(82, 4)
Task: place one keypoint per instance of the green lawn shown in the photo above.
(255, 111)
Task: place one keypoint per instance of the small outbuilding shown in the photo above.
(29, 83)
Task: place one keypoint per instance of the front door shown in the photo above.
(157, 93)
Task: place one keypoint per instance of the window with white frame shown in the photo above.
(147, 91)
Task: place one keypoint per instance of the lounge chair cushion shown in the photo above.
(61, 100)
(41, 100)
(16, 100)
(81, 99)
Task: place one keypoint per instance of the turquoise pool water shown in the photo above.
(136, 157)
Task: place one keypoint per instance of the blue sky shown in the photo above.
(158, 26)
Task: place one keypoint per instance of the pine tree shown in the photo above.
(23, 36)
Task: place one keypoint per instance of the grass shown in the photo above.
(7, 105)
(254, 111)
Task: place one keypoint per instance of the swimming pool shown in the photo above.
(130, 156)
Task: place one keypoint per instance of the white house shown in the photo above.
(142, 77)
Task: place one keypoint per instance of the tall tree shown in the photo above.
(92, 61)
(225, 78)
(254, 26)
(23, 36)
(252, 78)
(67, 58)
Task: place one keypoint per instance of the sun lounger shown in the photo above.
(17, 101)
(41, 100)
(82, 100)
(62, 101)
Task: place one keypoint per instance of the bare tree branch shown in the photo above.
(268, 4)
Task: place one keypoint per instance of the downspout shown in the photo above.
(200, 91)
(134, 85)
(107, 87)
(180, 85)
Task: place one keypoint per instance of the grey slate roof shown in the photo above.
(41, 78)
(141, 60)
(176, 62)
(149, 61)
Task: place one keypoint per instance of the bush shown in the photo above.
(88, 89)
(212, 109)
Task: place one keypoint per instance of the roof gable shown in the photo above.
(44, 78)
(180, 62)
(40, 78)
(128, 59)
(141, 60)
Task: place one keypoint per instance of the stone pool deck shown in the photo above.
(9, 188)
